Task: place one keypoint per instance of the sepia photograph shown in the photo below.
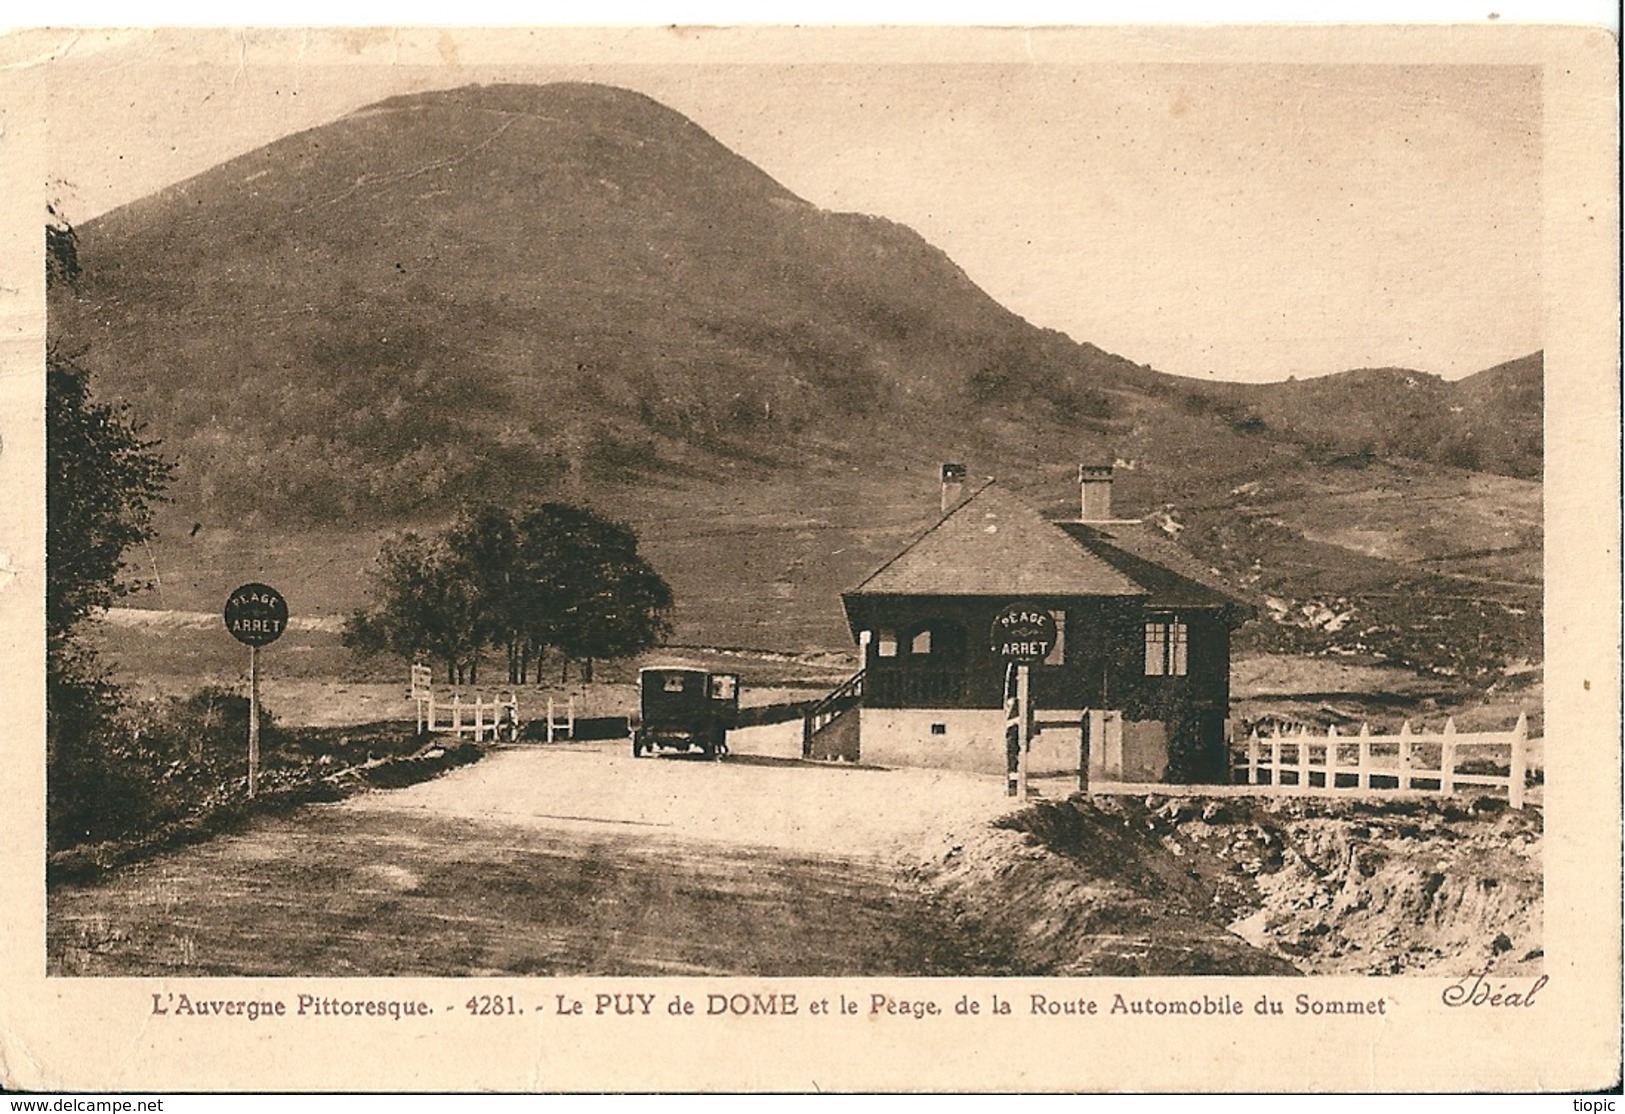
(919, 521)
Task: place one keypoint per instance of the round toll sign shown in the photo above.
(1023, 633)
(256, 614)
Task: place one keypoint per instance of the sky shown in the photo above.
(1245, 221)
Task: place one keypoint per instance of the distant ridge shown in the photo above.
(1491, 421)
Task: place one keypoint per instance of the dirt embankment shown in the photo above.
(1155, 886)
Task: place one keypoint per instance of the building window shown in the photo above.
(921, 642)
(886, 643)
(1165, 645)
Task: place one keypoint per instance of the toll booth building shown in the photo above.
(1141, 662)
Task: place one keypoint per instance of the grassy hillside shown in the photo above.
(484, 291)
(1490, 421)
(518, 293)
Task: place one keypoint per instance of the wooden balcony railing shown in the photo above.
(919, 688)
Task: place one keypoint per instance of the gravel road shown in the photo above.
(562, 859)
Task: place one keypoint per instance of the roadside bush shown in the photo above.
(118, 770)
(210, 727)
(97, 787)
(96, 793)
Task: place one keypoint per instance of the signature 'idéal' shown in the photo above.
(1476, 990)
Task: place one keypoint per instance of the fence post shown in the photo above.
(1365, 756)
(1519, 762)
(1447, 758)
(1086, 744)
(1252, 757)
(457, 714)
(1405, 755)
(550, 719)
(1331, 757)
(1275, 761)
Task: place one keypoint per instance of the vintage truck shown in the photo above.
(685, 709)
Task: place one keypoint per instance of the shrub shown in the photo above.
(97, 787)
(118, 770)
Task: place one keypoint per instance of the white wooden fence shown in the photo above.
(561, 719)
(1364, 759)
(497, 718)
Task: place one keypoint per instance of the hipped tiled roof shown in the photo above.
(993, 544)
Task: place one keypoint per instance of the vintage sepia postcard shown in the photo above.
(685, 559)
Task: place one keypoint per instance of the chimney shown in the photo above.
(953, 486)
(1095, 482)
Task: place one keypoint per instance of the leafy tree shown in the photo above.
(558, 577)
(582, 588)
(479, 550)
(615, 604)
(96, 786)
(426, 606)
(102, 480)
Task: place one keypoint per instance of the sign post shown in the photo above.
(1014, 782)
(422, 696)
(256, 615)
(1022, 633)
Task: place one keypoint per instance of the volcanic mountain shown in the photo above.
(483, 290)
(513, 293)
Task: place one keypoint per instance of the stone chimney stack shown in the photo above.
(953, 486)
(1095, 482)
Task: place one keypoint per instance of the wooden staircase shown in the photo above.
(826, 718)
